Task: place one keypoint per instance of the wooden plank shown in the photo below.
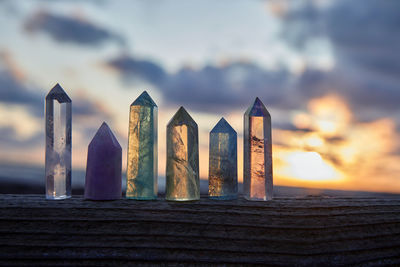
(285, 231)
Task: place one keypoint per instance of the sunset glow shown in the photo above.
(307, 166)
(333, 150)
(331, 87)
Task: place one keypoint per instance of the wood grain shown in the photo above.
(310, 231)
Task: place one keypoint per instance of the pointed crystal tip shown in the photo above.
(58, 93)
(103, 135)
(223, 127)
(144, 100)
(257, 109)
(181, 117)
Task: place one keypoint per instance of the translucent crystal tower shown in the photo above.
(142, 171)
(257, 170)
(58, 144)
(222, 175)
(182, 158)
(104, 163)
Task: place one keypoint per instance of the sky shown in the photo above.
(327, 71)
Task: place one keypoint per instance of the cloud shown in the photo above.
(13, 91)
(82, 106)
(364, 39)
(8, 138)
(131, 68)
(369, 97)
(65, 29)
(215, 88)
(302, 21)
(22, 120)
(13, 86)
(365, 32)
(222, 88)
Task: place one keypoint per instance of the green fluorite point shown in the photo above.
(144, 100)
(142, 171)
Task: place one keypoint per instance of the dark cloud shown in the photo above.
(366, 32)
(211, 88)
(84, 107)
(364, 38)
(94, 2)
(131, 68)
(13, 91)
(368, 97)
(9, 8)
(363, 34)
(303, 21)
(235, 85)
(70, 29)
(221, 88)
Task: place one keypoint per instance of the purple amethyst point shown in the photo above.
(103, 170)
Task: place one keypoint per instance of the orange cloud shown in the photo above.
(336, 151)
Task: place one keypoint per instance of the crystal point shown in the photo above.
(182, 117)
(257, 109)
(222, 127)
(182, 172)
(58, 144)
(142, 171)
(58, 93)
(103, 170)
(257, 171)
(222, 177)
(144, 100)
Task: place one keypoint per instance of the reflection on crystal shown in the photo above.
(222, 176)
(104, 163)
(58, 144)
(182, 171)
(257, 174)
(142, 171)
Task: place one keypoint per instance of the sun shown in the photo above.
(308, 166)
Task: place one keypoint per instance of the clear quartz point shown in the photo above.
(142, 171)
(182, 172)
(58, 144)
(222, 175)
(257, 169)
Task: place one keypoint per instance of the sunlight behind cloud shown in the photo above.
(330, 149)
(328, 115)
(308, 166)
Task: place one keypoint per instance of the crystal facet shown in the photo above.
(182, 158)
(222, 175)
(104, 163)
(257, 171)
(58, 144)
(142, 171)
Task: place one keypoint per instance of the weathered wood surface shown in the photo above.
(285, 231)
